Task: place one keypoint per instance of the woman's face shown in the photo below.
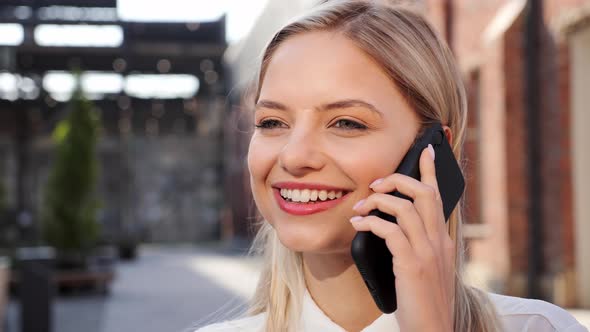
(328, 120)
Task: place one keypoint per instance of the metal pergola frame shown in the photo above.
(184, 45)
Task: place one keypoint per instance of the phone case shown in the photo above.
(369, 252)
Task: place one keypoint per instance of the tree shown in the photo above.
(70, 205)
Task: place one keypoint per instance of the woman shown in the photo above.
(341, 95)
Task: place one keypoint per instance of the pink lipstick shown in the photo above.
(300, 208)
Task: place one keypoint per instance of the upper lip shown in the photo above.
(306, 185)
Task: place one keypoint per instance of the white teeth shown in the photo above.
(313, 196)
(295, 195)
(304, 196)
(309, 195)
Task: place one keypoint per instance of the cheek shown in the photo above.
(261, 159)
(257, 160)
(365, 161)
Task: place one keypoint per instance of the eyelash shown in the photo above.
(355, 125)
(265, 124)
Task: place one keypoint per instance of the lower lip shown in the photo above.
(302, 209)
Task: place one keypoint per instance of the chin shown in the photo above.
(312, 239)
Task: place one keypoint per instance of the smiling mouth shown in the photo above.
(310, 196)
(303, 204)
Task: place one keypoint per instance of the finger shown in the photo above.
(426, 200)
(427, 186)
(428, 169)
(400, 182)
(405, 212)
(394, 237)
(435, 222)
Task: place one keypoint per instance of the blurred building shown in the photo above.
(159, 88)
(526, 66)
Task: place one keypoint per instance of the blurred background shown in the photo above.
(124, 198)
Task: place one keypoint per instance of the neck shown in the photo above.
(338, 289)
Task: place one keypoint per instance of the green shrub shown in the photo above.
(70, 204)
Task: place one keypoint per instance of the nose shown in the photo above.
(301, 154)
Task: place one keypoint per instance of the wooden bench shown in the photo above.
(76, 279)
(99, 280)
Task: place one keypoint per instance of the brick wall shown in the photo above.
(498, 142)
(517, 156)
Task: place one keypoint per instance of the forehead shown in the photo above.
(316, 67)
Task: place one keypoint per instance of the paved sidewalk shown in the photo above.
(168, 289)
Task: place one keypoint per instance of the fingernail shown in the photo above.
(356, 218)
(376, 182)
(431, 149)
(358, 204)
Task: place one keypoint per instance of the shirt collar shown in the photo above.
(314, 319)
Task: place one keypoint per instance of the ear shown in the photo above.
(448, 134)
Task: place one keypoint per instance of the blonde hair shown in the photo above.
(420, 64)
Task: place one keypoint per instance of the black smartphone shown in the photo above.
(369, 252)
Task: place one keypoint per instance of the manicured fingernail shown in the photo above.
(356, 218)
(376, 182)
(431, 149)
(358, 204)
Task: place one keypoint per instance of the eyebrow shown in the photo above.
(346, 103)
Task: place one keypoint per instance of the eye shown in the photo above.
(348, 124)
(269, 124)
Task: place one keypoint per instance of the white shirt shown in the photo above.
(516, 314)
